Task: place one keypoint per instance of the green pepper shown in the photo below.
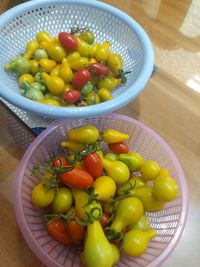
(31, 93)
(18, 65)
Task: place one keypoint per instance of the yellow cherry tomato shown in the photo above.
(26, 77)
(55, 85)
(109, 83)
(55, 71)
(65, 71)
(34, 66)
(43, 36)
(79, 63)
(92, 60)
(73, 56)
(150, 169)
(92, 98)
(115, 63)
(83, 48)
(56, 52)
(47, 64)
(105, 187)
(103, 52)
(93, 50)
(104, 94)
(31, 47)
(51, 102)
(42, 196)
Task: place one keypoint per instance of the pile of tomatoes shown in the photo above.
(99, 199)
(70, 69)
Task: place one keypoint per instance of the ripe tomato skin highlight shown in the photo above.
(81, 77)
(72, 96)
(68, 41)
(98, 69)
(77, 178)
(93, 164)
(119, 148)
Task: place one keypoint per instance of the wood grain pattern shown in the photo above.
(169, 104)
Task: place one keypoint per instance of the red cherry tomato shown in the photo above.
(60, 162)
(77, 178)
(59, 231)
(93, 164)
(81, 77)
(104, 220)
(68, 41)
(66, 232)
(119, 148)
(98, 69)
(72, 96)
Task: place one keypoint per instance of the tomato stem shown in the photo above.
(92, 216)
(76, 29)
(122, 75)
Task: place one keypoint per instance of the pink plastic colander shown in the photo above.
(168, 223)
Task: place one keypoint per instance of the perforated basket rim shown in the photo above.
(87, 111)
(17, 199)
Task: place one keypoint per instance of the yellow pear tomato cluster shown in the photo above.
(70, 69)
(100, 198)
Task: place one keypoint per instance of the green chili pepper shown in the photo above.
(18, 65)
(31, 93)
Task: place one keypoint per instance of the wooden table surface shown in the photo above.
(170, 104)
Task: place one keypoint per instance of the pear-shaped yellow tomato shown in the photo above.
(115, 63)
(43, 37)
(105, 187)
(56, 52)
(149, 201)
(143, 224)
(84, 135)
(55, 85)
(65, 71)
(165, 188)
(112, 136)
(42, 196)
(128, 212)
(97, 250)
(150, 169)
(117, 170)
(135, 241)
(84, 206)
(133, 160)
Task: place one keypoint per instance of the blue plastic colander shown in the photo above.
(21, 23)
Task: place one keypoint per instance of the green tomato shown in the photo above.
(111, 156)
(165, 188)
(62, 201)
(88, 37)
(87, 89)
(150, 169)
(42, 196)
(40, 53)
